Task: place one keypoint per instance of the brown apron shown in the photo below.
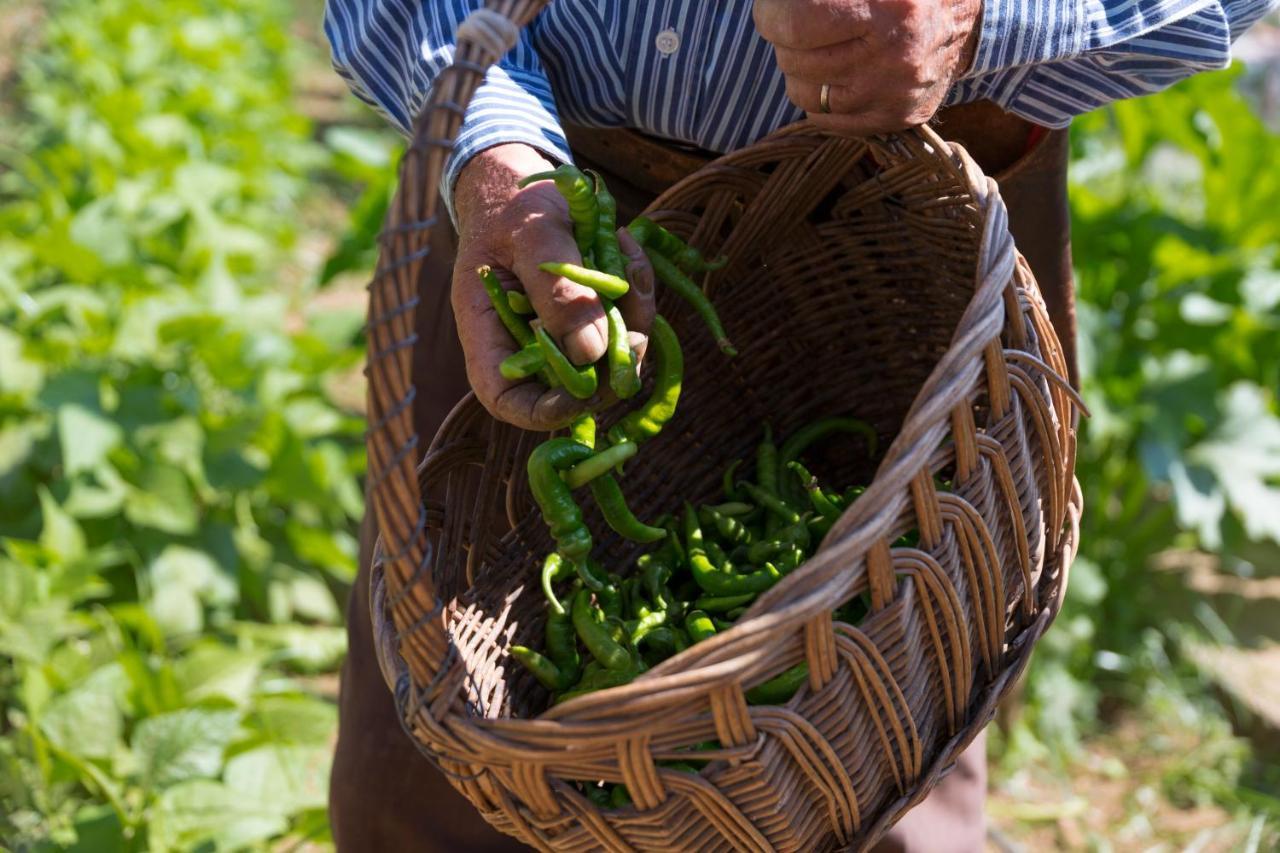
(383, 795)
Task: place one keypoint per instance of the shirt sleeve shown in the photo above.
(1050, 60)
(390, 52)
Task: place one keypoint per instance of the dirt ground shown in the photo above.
(1120, 796)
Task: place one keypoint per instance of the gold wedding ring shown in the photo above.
(824, 98)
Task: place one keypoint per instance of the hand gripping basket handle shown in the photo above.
(393, 445)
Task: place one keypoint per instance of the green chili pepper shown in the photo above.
(647, 421)
(721, 624)
(624, 373)
(714, 581)
(803, 438)
(850, 495)
(589, 621)
(608, 286)
(583, 209)
(729, 528)
(672, 277)
(519, 302)
(733, 509)
(523, 363)
(649, 233)
(599, 465)
(716, 554)
(724, 603)
(608, 253)
(562, 644)
(561, 514)
(726, 481)
(699, 626)
(779, 689)
(547, 673)
(586, 570)
(597, 794)
(619, 798)
(583, 431)
(770, 502)
(515, 324)
(609, 598)
(554, 568)
(613, 505)
(601, 680)
(821, 503)
(579, 381)
(767, 472)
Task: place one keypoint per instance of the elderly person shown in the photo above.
(662, 85)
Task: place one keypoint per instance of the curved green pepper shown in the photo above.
(647, 421)
(590, 623)
(584, 211)
(672, 277)
(561, 514)
(780, 688)
(581, 382)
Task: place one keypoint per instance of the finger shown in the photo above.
(638, 304)
(840, 62)
(811, 24)
(865, 124)
(841, 100)
(639, 343)
(531, 405)
(570, 312)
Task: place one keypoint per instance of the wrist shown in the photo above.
(491, 178)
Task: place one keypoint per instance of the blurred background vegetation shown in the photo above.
(188, 201)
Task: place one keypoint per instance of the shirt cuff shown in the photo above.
(1026, 32)
(511, 105)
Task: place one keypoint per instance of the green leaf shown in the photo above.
(163, 500)
(311, 599)
(298, 719)
(202, 812)
(19, 375)
(86, 720)
(182, 745)
(86, 438)
(291, 778)
(183, 580)
(60, 535)
(1243, 454)
(212, 671)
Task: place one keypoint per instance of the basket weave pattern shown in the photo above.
(873, 277)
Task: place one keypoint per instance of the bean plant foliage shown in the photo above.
(177, 492)
(1176, 241)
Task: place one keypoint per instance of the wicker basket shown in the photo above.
(875, 277)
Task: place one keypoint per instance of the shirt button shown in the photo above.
(668, 42)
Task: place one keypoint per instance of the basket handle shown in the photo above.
(391, 440)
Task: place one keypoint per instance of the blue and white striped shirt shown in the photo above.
(696, 71)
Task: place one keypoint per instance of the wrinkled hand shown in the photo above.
(889, 62)
(514, 230)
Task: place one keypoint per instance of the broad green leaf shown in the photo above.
(86, 438)
(182, 745)
(212, 671)
(163, 500)
(19, 375)
(1243, 454)
(60, 535)
(291, 778)
(190, 815)
(311, 599)
(183, 581)
(86, 720)
(297, 719)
